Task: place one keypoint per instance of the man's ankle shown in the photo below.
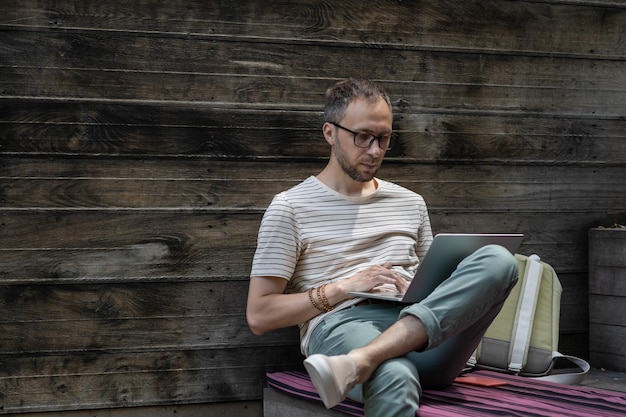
(365, 366)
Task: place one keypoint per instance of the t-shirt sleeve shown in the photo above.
(278, 242)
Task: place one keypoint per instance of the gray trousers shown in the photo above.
(455, 315)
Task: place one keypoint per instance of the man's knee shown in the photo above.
(501, 263)
(394, 388)
(396, 376)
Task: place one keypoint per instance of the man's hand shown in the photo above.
(270, 308)
(373, 277)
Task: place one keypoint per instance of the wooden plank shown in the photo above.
(608, 249)
(145, 317)
(122, 301)
(607, 280)
(606, 346)
(605, 338)
(607, 309)
(164, 236)
(160, 234)
(89, 50)
(137, 263)
(121, 85)
(607, 296)
(74, 266)
(258, 358)
(134, 334)
(154, 130)
(95, 245)
(109, 380)
(200, 244)
(422, 25)
(488, 188)
(123, 193)
(253, 408)
(35, 317)
(285, 173)
(608, 361)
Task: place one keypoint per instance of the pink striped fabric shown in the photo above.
(519, 397)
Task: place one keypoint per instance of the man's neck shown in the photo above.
(343, 184)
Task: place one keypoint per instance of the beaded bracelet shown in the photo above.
(327, 307)
(319, 297)
(317, 307)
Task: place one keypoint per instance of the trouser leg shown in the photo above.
(459, 311)
(455, 317)
(394, 388)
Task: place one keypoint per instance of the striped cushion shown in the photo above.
(519, 397)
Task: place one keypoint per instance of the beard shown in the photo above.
(351, 169)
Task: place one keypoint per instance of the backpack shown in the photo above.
(523, 339)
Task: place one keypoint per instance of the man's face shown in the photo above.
(362, 164)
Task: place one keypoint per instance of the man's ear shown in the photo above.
(328, 129)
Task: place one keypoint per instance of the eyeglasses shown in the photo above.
(365, 139)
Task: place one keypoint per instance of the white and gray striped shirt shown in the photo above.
(311, 234)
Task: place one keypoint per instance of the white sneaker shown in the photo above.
(333, 376)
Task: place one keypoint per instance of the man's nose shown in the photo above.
(374, 148)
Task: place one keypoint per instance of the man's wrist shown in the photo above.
(336, 292)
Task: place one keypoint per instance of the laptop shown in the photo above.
(445, 253)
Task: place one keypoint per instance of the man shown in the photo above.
(346, 230)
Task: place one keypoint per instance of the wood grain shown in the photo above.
(55, 381)
(263, 90)
(140, 143)
(511, 27)
(44, 127)
(487, 187)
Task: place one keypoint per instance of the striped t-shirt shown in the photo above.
(311, 235)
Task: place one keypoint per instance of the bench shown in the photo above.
(277, 404)
(292, 394)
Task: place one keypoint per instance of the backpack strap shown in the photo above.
(523, 324)
(568, 377)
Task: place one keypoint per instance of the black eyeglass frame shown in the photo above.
(392, 137)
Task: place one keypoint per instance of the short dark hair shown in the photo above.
(340, 95)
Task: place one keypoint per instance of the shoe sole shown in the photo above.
(319, 371)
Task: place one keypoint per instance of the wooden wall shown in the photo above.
(141, 142)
